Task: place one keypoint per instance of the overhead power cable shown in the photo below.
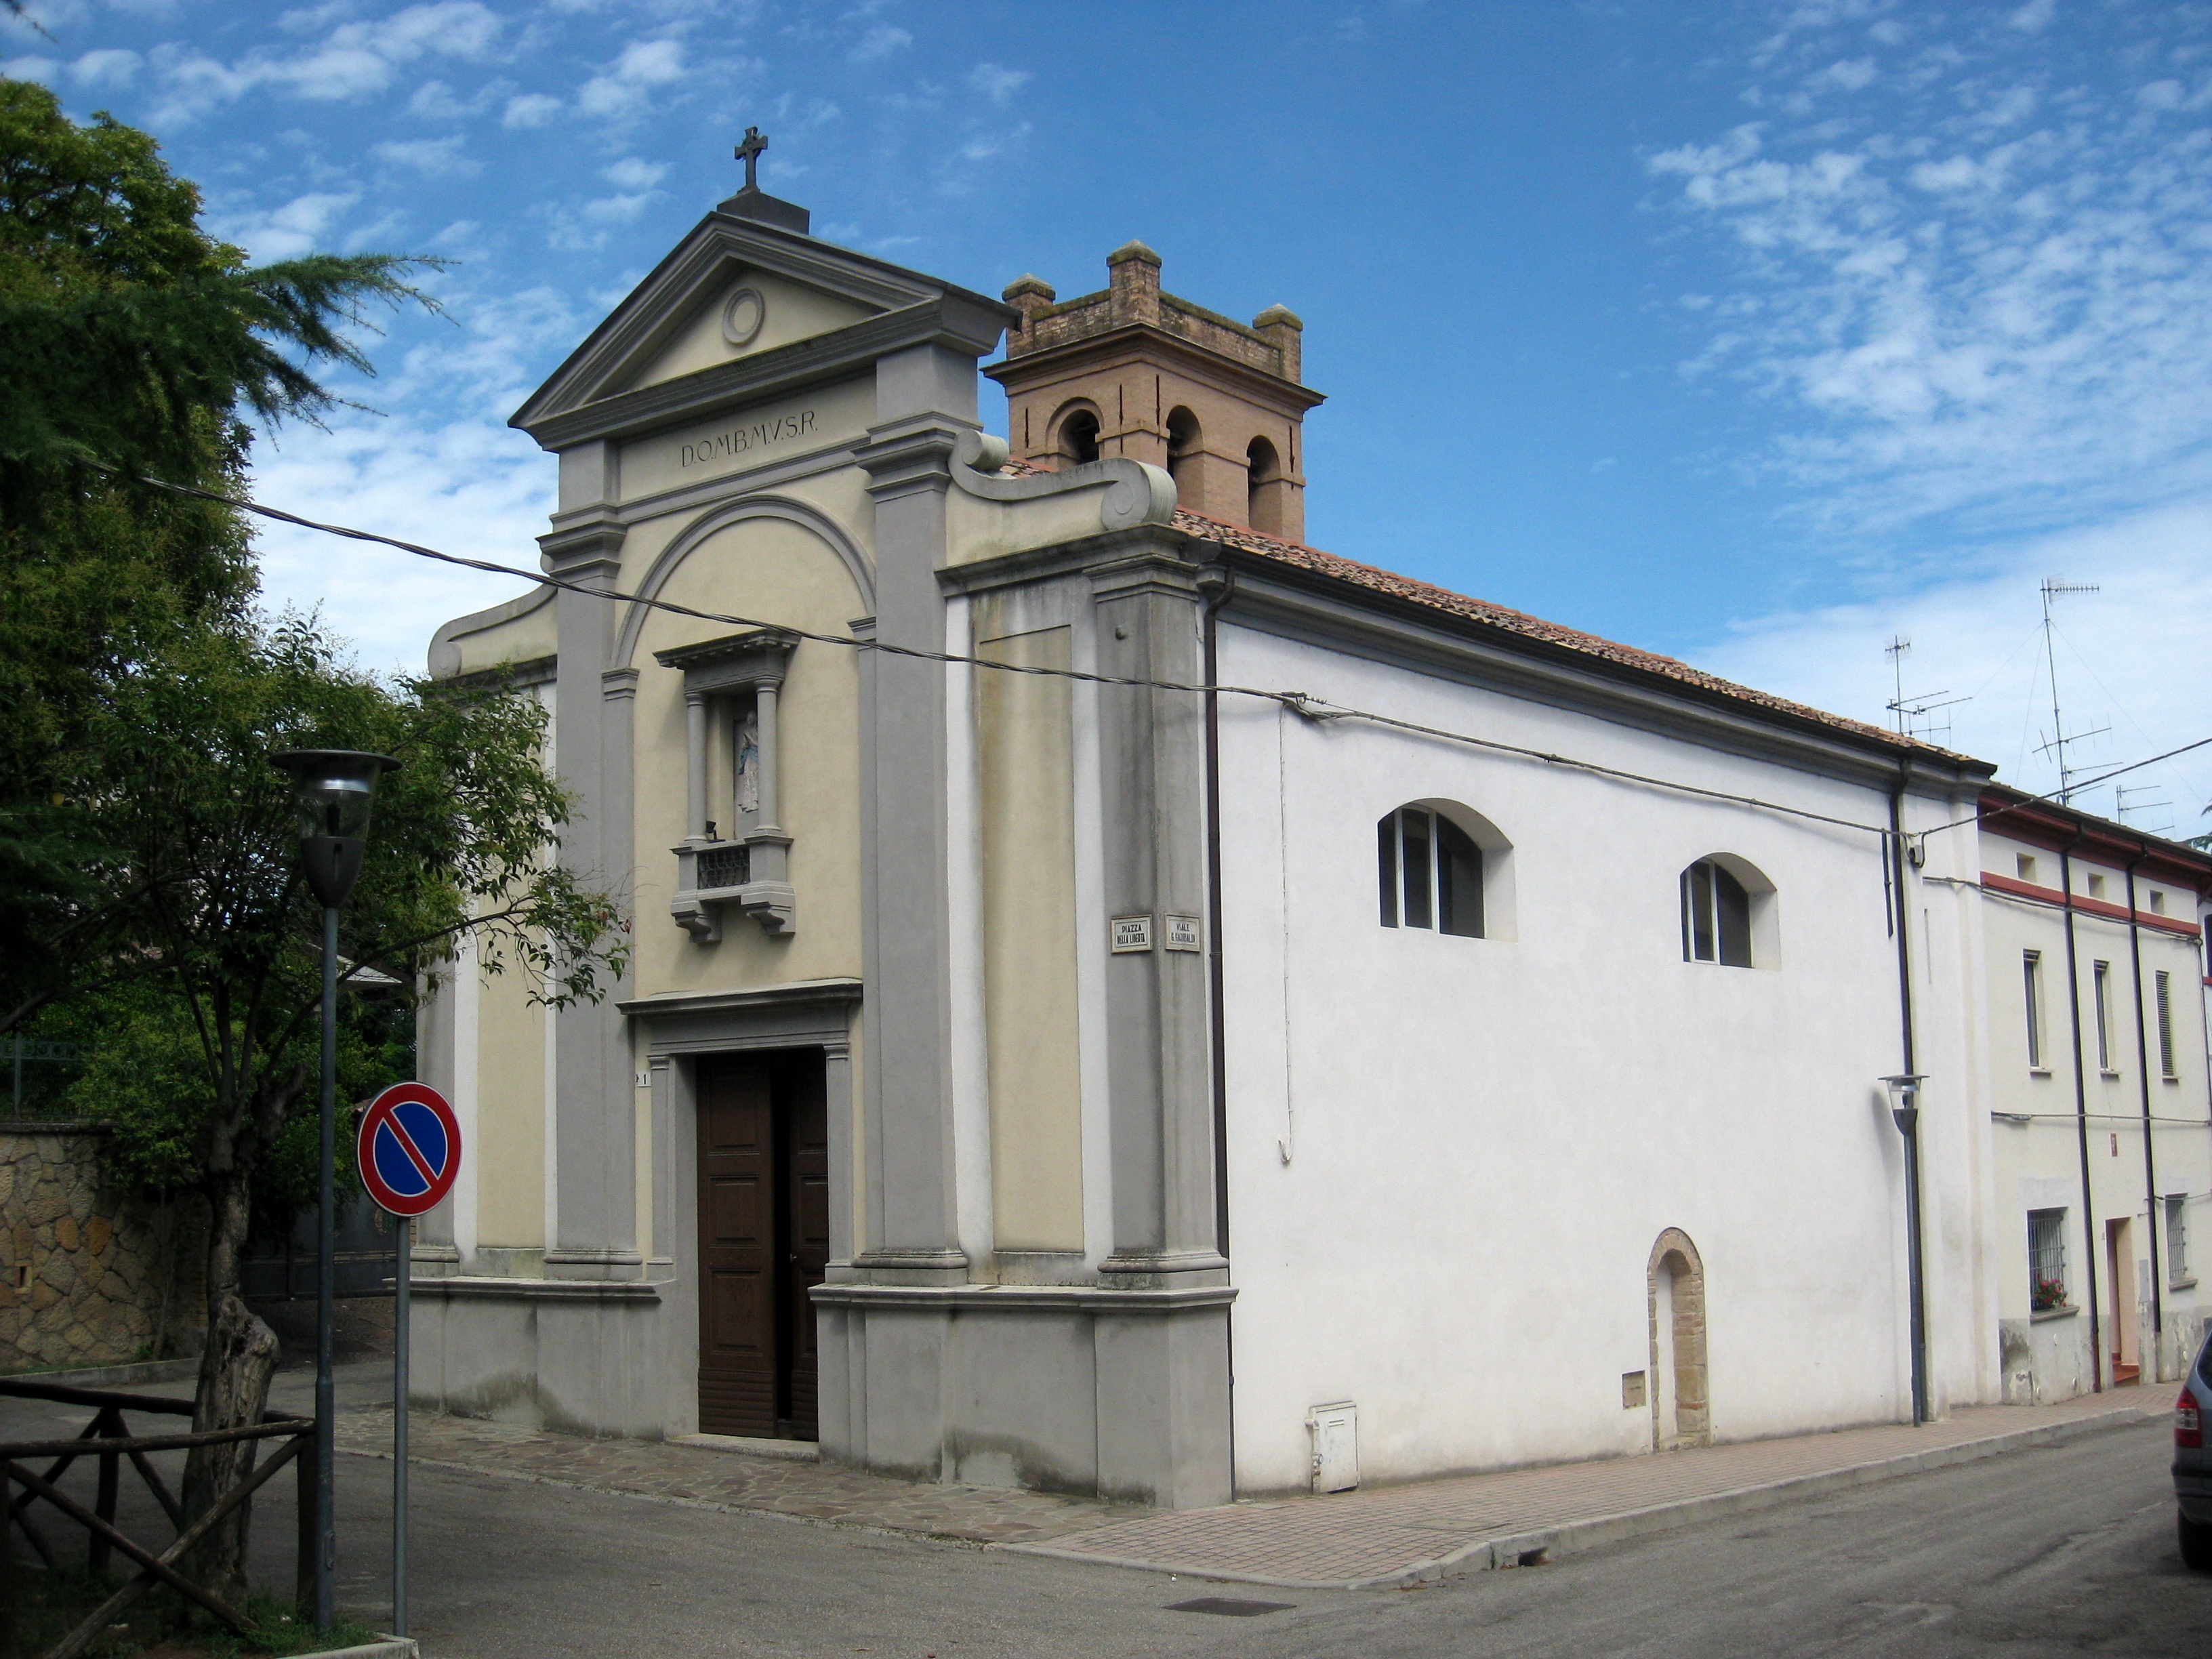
(1299, 703)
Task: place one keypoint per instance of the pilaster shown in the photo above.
(595, 1176)
(913, 1232)
(1152, 780)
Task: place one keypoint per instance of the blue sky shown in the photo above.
(1752, 332)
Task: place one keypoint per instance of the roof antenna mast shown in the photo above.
(1913, 712)
(2053, 588)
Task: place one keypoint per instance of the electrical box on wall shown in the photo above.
(1335, 1446)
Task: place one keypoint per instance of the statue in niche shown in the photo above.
(749, 763)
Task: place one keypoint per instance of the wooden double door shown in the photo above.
(763, 1240)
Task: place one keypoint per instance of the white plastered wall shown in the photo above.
(1447, 1174)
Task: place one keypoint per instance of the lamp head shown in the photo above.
(331, 792)
(1905, 1100)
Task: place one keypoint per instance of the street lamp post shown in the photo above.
(1904, 1112)
(331, 789)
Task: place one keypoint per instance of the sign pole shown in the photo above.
(409, 1149)
(400, 1278)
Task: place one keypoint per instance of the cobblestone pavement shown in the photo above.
(1396, 1534)
(726, 1479)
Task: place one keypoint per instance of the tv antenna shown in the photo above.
(2053, 588)
(1912, 714)
(2122, 805)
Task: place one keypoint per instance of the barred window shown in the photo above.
(2177, 1239)
(2046, 1259)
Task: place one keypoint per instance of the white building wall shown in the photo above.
(2042, 1142)
(1442, 1204)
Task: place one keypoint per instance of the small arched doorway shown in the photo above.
(1681, 1409)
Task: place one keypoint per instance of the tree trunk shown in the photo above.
(235, 1368)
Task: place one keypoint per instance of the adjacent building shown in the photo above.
(1126, 1001)
(2100, 1160)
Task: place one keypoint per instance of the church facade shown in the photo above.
(1125, 1002)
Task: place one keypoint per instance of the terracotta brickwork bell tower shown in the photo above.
(1132, 370)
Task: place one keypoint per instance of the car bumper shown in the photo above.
(2193, 1488)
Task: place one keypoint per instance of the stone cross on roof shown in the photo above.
(748, 153)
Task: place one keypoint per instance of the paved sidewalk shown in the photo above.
(1406, 1535)
(672, 1471)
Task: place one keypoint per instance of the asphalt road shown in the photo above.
(2064, 1551)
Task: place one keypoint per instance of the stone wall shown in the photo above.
(89, 1274)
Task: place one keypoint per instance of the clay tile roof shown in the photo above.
(1509, 621)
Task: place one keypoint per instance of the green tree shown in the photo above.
(133, 344)
(210, 1069)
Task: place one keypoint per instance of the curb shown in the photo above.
(101, 1376)
(1535, 1547)
(386, 1646)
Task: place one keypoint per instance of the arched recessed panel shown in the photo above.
(727, 517)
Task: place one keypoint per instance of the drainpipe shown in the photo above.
(2150, 1169)
(2081, 1113)
(1914, 1282)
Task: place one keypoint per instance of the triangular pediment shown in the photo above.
(750, 310)
(736, 301)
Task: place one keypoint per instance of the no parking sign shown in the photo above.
(409, 1149)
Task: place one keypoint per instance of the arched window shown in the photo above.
(1263, 474)
(1719, 906)
(1078, 437)
(1430, 872)
(1185, 442)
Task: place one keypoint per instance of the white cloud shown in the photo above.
(355, 60)
(2121, 655)
(436, 156)
(442, 468)
(532, 109)
(623, 88)
(44, 70)
(285, 233)
(996, 82)
(112, 67)
(617, 209)
(434, 100)
(306, 20)
(1975, 304)
(635, 173)
(2034, 16)
(881, 41)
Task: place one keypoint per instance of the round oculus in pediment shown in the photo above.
(742, 313)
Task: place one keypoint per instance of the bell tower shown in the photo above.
(1133, 371)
